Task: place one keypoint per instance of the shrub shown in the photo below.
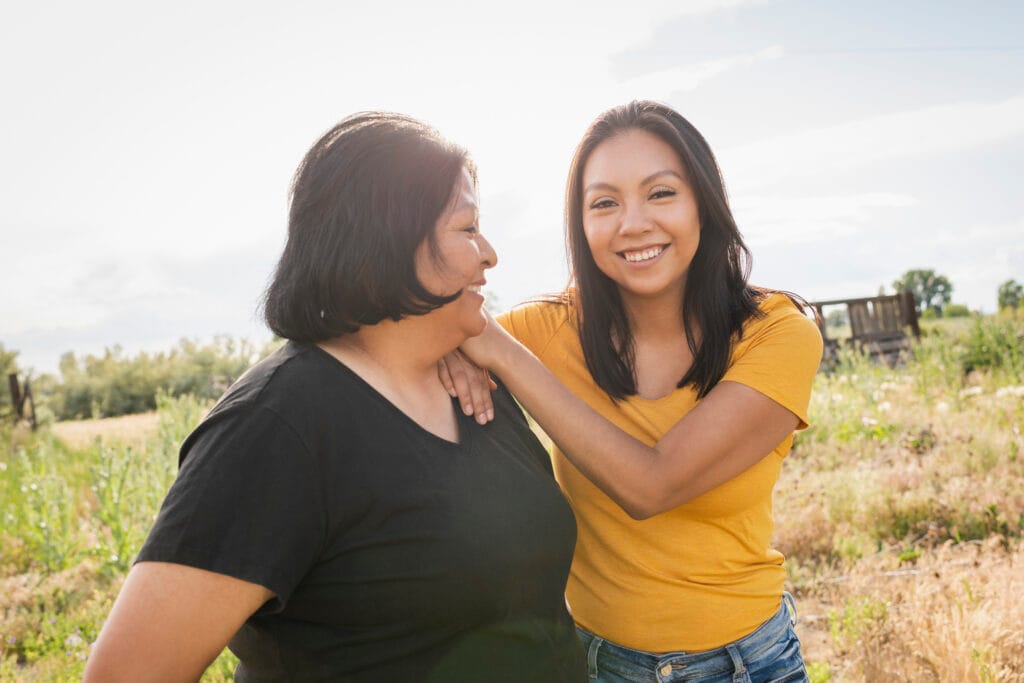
(955, 311)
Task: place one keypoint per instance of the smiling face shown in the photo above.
(462, 256)
(640, 216)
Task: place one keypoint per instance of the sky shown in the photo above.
(146, 153)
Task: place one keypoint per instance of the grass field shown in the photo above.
(900, 512)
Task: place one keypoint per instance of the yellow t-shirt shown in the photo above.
(702, 575)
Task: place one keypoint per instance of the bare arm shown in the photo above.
(169, 623)
(729, 431)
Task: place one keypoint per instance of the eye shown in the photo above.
(602, 204)
(662, 192)
(471, 229)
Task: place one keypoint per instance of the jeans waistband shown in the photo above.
(730, 656)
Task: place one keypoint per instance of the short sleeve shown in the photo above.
(779, 356)
(246, 503)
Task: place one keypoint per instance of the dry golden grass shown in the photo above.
(130, 429)
(901, 513)
(955, 615)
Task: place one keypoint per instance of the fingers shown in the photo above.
(470, 384)
(480, 392)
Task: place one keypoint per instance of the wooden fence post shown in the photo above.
(19, 398)
(908, 307)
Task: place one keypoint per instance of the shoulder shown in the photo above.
(535, 323)
(780, 334)
(286, 389)
(283, 369)
(779, 314)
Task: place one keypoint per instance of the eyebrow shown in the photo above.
(646, 181)
(462, 208)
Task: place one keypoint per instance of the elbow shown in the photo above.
(653, 500)
(640, 513)
(645, 510)
(645, 503)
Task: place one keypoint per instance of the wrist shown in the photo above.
(509, 355)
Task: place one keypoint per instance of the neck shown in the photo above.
(406, 351)
(399, 360)
(655, 319)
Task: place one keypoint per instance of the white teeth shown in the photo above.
(474, 288)
(645, 255)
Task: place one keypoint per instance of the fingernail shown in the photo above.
(482, 418)
(490, 414)
(467, 409)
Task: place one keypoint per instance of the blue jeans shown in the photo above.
(771, 654)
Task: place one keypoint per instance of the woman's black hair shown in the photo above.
(364, 198)
(717, 299)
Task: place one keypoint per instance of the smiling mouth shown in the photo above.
(643, 254)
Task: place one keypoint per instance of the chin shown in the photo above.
(476, 329)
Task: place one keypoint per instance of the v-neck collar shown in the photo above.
(462, 421)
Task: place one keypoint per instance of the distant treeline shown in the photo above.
(117, 384)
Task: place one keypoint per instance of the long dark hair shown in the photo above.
(364, 198)
(717, 300)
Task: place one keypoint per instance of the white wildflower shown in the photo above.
(942, 407)
(868, 422)
(971, 391)
(1010, 391)
(885, 406)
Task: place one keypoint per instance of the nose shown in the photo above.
(635, 220)
(488, 257)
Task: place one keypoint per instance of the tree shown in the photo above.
(837, 318)
(1010, 294)
(930, 290)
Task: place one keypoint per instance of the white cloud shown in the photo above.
(769, 219)
(981, 257)
(922, 132)
(668, 82)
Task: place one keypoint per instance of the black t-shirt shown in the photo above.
(394, 554)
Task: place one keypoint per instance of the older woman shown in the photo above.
(335, 516)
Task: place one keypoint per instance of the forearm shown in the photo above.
(623, 467)
(728, 432)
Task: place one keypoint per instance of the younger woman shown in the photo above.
(671, 388)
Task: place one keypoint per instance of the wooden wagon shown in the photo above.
(878, 325)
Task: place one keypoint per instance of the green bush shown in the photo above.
(995, 344)
(115, 384)
(955, 311)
